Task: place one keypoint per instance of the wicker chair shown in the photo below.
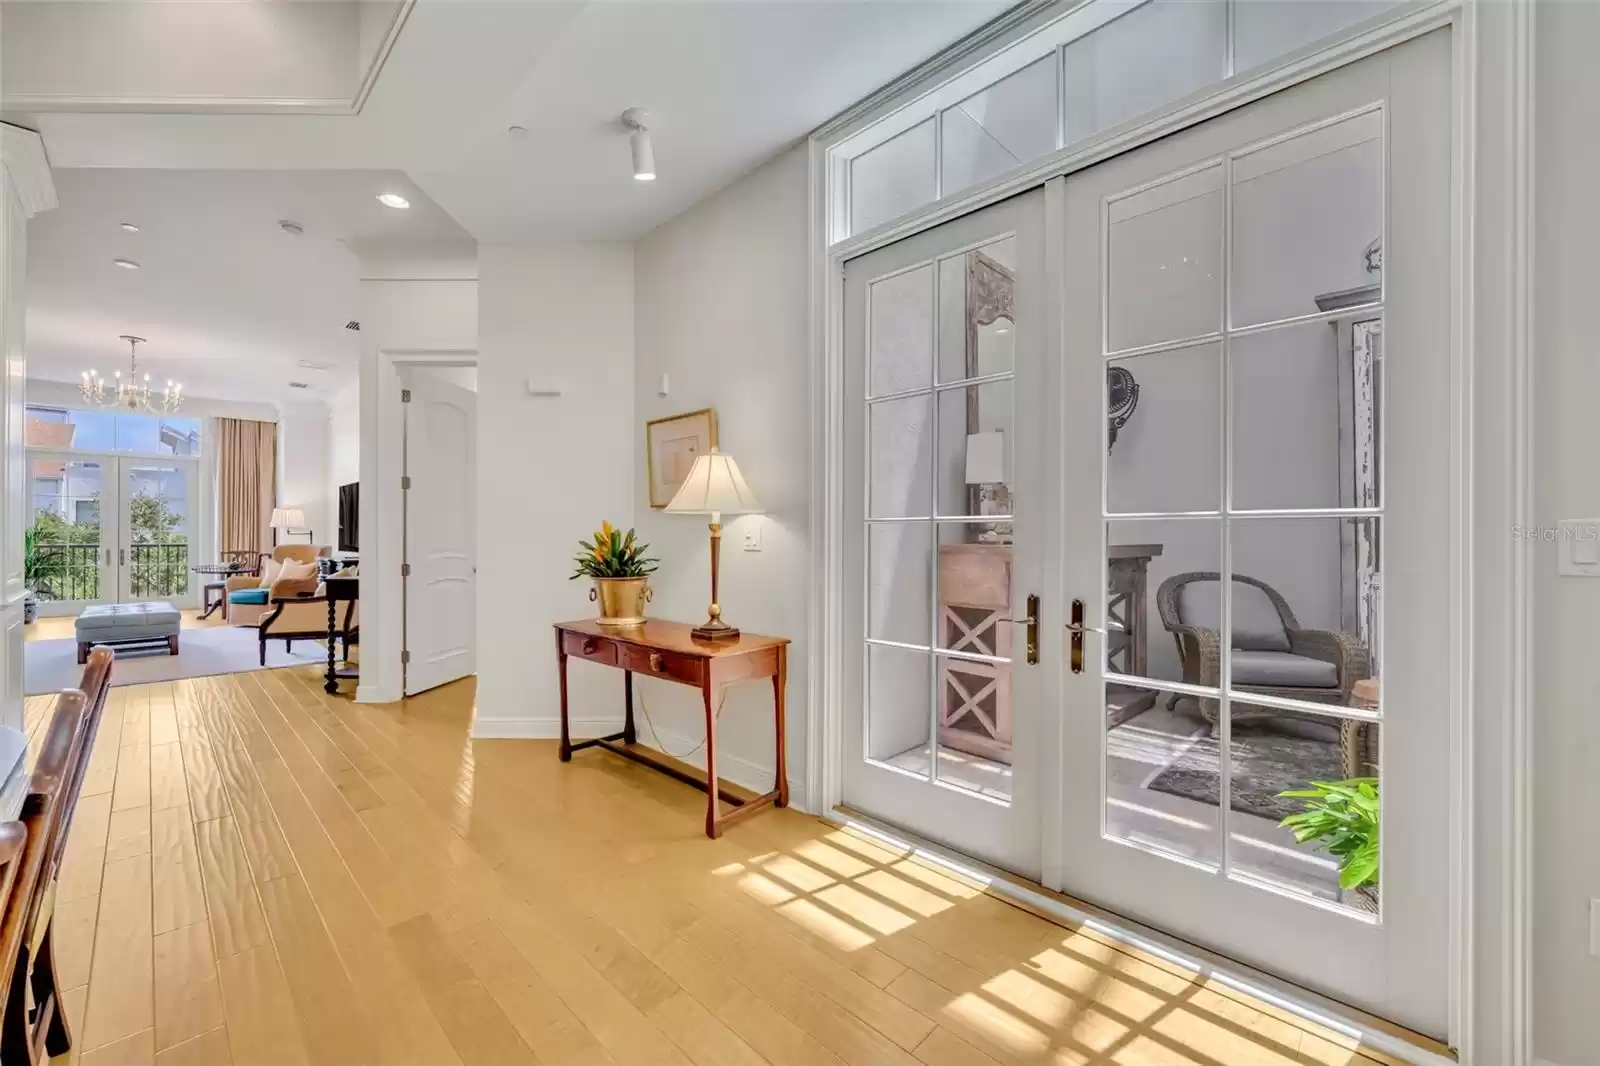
(1272, 655)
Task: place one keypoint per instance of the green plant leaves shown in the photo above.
(1342, 818)
(613, 553)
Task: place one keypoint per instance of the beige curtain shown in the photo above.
(247, 483)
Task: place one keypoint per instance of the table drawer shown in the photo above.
(595, 649)
(685, 668)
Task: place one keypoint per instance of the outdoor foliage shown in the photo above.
(63, 558)
(612, 554)
(1342, 818)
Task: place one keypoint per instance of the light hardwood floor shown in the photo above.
(62, 627)
(259, 873)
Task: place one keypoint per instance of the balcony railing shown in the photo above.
(72, 571)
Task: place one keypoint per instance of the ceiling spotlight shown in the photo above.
(291, 227)
(644, 155)
(126, 264)
(130, 227)
(393, 199)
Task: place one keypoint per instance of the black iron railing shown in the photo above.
(72, 571)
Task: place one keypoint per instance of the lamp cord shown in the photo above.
(638, 693)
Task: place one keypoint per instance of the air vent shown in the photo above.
(353, 325)
(298, 385)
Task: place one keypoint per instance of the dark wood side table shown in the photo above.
(666, 650)
(339, 590)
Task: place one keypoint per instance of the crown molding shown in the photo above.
(22, 152)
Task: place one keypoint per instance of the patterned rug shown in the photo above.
(1267, 759)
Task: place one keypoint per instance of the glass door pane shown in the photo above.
(68, 546)
(158, 523)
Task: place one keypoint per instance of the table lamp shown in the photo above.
(287, 518)
(715, 487)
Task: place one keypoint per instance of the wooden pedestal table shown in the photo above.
(339, 590)
(668, 651)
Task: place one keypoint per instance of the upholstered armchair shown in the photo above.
(246, 601)
(1272, 654)
(293, 618)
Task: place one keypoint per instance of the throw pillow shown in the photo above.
(296, 571)
(269, 572)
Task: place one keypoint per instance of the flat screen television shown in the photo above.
(350, 517)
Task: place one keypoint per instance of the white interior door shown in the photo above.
(1276, 285)
(943, 509)
(441, 589)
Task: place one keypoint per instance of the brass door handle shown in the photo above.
(1032, 622)
(1078, 629)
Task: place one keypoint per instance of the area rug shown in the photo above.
(1267, 760)
(52, 665)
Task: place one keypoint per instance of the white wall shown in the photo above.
(549, 470)
(344, 439)
(1566, 670)
(303, 469)
(721, 293)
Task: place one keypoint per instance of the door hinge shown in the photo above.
(405, 395)
(405, 569)
(405, 482)
(405, 658)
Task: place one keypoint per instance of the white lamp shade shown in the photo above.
(715, 486)
(287, 517)
(986, 458)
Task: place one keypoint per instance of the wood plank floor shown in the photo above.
(261, 874)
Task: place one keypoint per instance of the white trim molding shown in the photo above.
(1490, 750)
(22, 151)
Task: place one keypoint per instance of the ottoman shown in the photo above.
(127, 623)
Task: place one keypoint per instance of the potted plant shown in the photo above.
(1342, 817)
(37, 568)
(621, 573)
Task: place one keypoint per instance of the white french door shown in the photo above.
(944, 341)
(1196, 398)
(111, 529)
(1263, 302)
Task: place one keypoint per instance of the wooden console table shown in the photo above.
(666, 650)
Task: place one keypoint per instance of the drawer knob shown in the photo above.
(655, 661)
(589, 645)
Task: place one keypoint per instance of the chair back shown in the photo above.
(1262, 620)
(53, 789)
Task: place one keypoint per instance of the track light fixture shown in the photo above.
(644, 156)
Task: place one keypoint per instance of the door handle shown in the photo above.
(122, 557)
(1032, 622)
(108, 556)
(1078, 629)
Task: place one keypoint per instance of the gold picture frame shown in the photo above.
(674, 442)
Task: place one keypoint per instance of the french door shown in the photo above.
(111, 529)
(944, 352)
(1226, 435)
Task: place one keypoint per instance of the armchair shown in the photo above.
(305, 617)
(1272, 655)
(246, 601)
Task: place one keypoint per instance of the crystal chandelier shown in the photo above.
(132, 394)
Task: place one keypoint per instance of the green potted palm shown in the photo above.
(1341, 817)
(621, 571)
(38, 567)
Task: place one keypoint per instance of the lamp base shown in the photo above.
(715, 629)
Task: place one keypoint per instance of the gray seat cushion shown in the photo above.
(117, 621)
(1256, 624)
(1282, 668)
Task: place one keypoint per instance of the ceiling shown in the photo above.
(728, 83)
(229, 302)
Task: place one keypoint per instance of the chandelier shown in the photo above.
(132, 394)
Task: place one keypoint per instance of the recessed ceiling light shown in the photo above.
(393, 199)
(291, 227)
(130, 227)
(126, 264)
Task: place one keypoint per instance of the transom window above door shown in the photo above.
(68, 429)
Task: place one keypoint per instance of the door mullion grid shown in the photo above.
(934, 689)
(1224, 702)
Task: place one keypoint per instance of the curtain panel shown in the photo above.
(247, 483)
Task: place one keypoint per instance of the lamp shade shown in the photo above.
(715, 486)
(986, 458)
(287, 518)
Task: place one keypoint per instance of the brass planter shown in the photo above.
(621, 599)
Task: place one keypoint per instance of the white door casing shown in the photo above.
(1396, 106)
(440, 531)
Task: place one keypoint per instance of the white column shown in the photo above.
(25, 190)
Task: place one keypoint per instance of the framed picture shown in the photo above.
(671, 446)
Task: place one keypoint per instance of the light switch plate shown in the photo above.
(752, 536)
(1578, 547)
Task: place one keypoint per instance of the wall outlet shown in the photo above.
(1594, 928)
(752, 536)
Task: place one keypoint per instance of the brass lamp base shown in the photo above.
(715, 629)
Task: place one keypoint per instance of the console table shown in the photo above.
(668, 651)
